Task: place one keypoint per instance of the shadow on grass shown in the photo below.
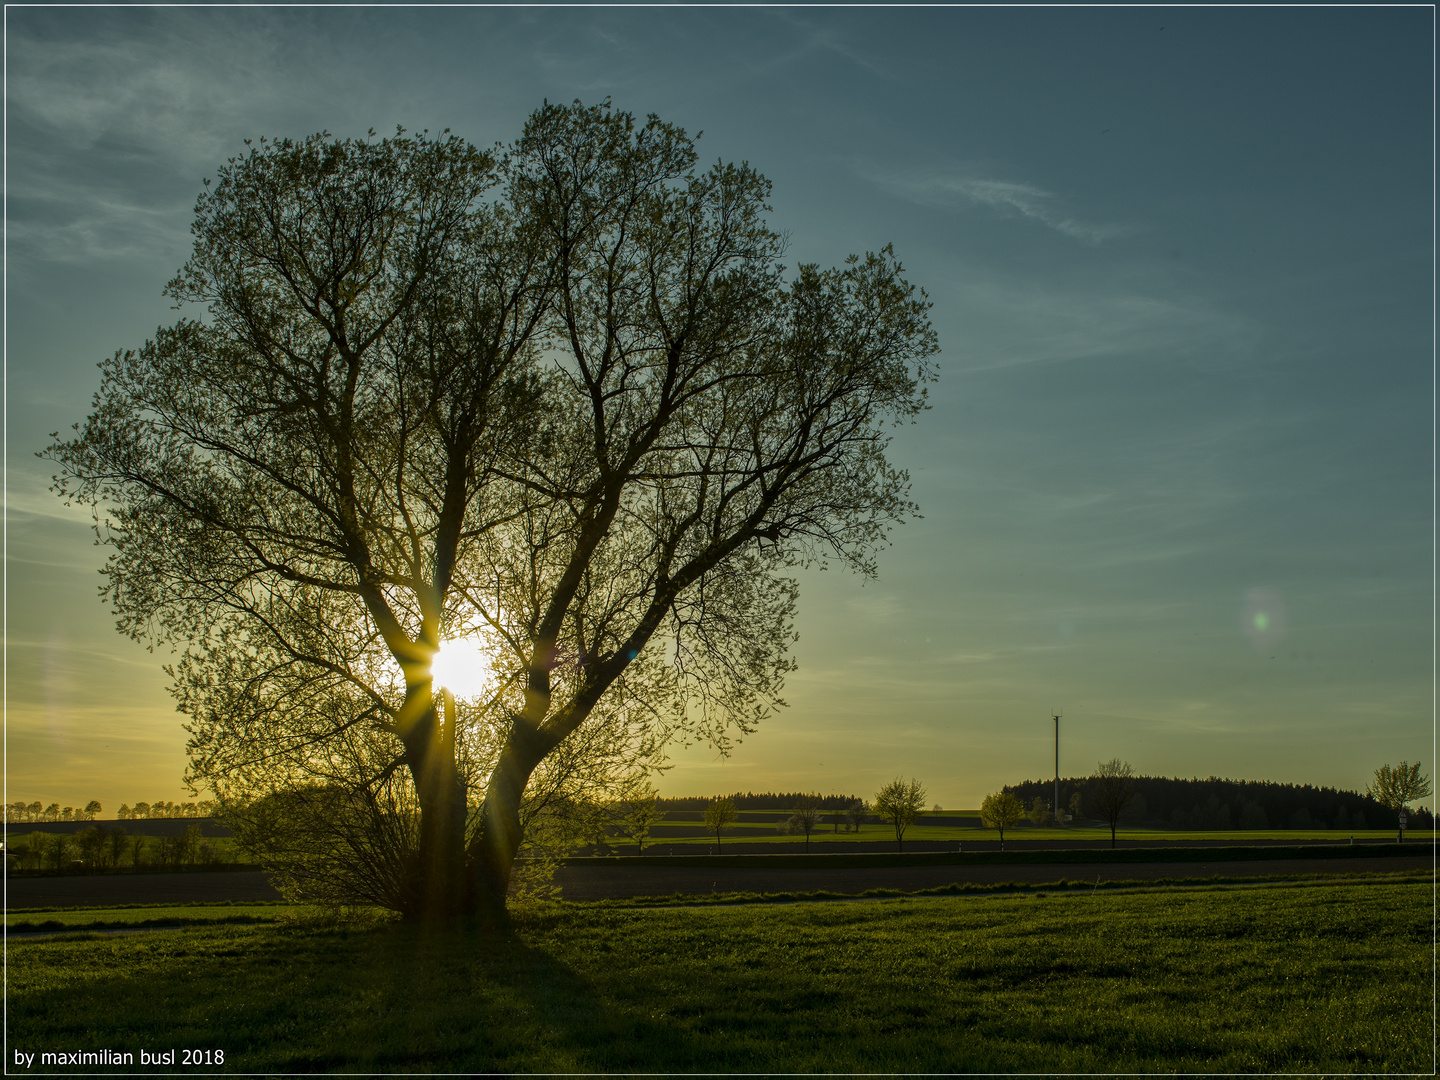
(1306, 979)
(319, 999)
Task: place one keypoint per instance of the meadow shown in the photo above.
(1307, 976)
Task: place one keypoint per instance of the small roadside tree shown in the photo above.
(116, 839)
(1000, 811)
(900, 802)
(719, 815)
(1394, 786)
(856, 813)
(60, 851)
(805, 817)
(637, 815)
(29, 852)
(187, 847)
(90, 843)
(1040, 812)
(1112, 787)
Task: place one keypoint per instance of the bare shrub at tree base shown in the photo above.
(333, 847)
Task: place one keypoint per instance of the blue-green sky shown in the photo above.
(1182, 272)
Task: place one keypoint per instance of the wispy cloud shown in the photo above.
(115, 116)
(952, 190)
(815, 37)
(1010, 319)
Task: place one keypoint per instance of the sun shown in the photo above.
(460, 668)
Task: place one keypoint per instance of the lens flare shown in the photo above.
(460, 668)
(1262, 618)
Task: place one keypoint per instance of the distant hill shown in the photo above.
(1213, 803)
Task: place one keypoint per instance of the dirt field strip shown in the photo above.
(1068, 888)
(607, 882)
(600, 882)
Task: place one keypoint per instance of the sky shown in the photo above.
(1181, 262)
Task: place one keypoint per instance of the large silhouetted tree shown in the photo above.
(562, 403)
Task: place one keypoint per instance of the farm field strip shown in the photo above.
(691, 834)
(28, 920)
(43, 922)
(1100, 855)
(969, 891)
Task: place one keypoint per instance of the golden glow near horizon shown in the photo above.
(461, 668)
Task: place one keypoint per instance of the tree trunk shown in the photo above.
(436, 879)
(492, 852)
(1112, 834)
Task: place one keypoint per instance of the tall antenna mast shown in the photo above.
(1056, 717)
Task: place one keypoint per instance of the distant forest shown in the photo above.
(1173, 803)
(749, 800)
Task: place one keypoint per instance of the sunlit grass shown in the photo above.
(1326, 978)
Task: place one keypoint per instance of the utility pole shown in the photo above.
(1056, 718)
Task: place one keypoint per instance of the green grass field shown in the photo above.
(1304, 977)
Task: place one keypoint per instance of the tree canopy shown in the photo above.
(1112, 787)
(900, 802)
(1396, 785)
(719, 815)
(1000, 810)
(561, 401)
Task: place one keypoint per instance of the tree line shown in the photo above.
(98, 849)
(1216, 803)
(38, 811)
(204, 808)
(23, 812)
(750, 800)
